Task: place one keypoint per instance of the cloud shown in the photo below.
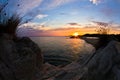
(68, 31)
(34, 26)
(43, 27)
(22, 6)
(95, 1)
(110, 12)
(32, 29)
(62, 29)
(101, 23)
(74, 24)
(28, 32)
(40, 16)
(56, 3)
(107, 11)
(36, 29)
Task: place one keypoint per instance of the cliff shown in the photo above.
(20, 59)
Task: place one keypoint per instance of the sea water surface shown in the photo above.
(62, 46)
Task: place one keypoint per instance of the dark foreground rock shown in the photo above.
(105, 64)
(20, 59)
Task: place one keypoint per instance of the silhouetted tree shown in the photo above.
(103, 28)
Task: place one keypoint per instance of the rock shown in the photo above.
(28, 43)
(104, 65)
(50, 71)
(68, 72)
(73, 65)
(58, 73)
(20, 59)
(91, 40)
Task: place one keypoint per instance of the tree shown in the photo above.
(103, 31)
(103, 28)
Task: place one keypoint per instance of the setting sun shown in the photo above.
(76, 34)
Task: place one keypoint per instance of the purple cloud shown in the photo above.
(101, 23)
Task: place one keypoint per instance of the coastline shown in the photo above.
(26, 61)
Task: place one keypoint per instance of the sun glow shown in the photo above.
(76, 34)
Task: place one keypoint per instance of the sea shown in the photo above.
(63, 46)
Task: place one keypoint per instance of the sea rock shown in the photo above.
(59, 73)
(50, 71)
(104, 65)
(20, 59)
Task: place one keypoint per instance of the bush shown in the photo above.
(9, 24)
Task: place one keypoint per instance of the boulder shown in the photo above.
(50, 71)
(20, 59)
(104, 65)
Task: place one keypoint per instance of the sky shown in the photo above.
(64, 17)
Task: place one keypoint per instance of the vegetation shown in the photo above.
(103, 29)
(104, 39)
(8, 24)
(103, 35)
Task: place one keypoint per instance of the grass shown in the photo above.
(9, 24)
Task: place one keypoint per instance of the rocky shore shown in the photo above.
(101, 65)
(21, 59)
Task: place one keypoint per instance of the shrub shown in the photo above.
(9, 24)
(8, 21)
(103, 30)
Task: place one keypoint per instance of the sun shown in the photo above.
(76, 34)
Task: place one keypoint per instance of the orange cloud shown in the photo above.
(67, 31)
(64, 31)
(34, 29)
(70, 31)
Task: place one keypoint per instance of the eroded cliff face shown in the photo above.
(20, 59)
(105, 64)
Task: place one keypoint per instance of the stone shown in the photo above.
(104, 65)
(20, 59)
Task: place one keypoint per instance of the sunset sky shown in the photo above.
(64, 17)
